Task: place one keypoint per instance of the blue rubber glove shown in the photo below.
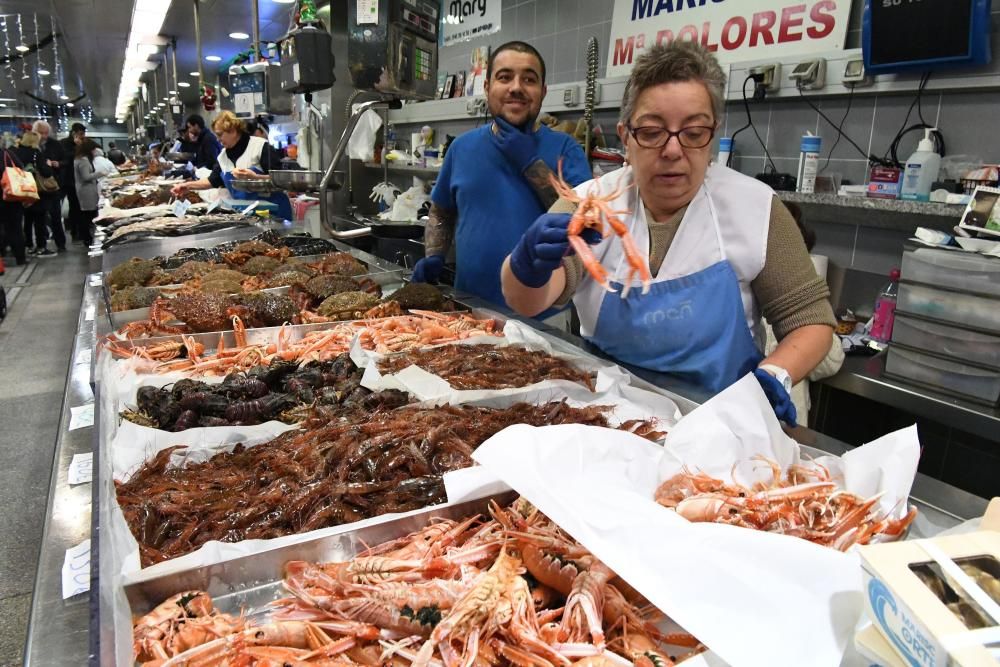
(428, 270)
(542, 247)
(784, 409)
(520, 147)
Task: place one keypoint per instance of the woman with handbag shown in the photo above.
(12, 215)
(34, 213)
(50, 189)
(87, 188)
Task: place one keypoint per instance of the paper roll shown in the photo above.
(821, 262)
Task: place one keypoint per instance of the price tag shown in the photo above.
(180, 207)
(76, 570)
(81, 468)
(88, 315)
(81, 417)
(95, 280)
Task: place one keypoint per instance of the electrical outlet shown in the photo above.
(571, 96)
(772, 76)
(809, 74)
(476, 106)
(855, 75)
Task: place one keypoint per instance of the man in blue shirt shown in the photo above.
(495, 179)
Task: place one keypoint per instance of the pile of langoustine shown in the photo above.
(804, 502)
(282, 390)
(356, 461)
(513, 589)
(386, 335)
(488, 366)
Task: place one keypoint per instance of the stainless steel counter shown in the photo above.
(58, 630)
(69, 632)
(864, 377)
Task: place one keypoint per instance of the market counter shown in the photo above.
(69, 631)
(864, 377)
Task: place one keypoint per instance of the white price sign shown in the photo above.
(76, 570)
(81, 468)
(735, 30)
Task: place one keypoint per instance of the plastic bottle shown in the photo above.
(390, 138)
(725, 151)
(885, 310)
(808, 163)
(921, 170)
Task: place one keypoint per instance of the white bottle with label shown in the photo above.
(921, 170)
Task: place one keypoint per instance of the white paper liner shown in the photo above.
(754, 598)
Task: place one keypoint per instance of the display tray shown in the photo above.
(294, 332)
(388, 281)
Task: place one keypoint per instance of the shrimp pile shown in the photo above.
(365, 459)
(513, 589)
(395, 334)
(806, 502)
(488, 366)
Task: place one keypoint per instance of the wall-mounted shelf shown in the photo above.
(408, 168)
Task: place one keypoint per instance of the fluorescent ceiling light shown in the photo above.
(3, 105)
(183, 84)
(239, 35)
(44, 72)
(64, 97)
(213, 59)
(70, 105)
(55, 86)
(22, 48)
(194, 73)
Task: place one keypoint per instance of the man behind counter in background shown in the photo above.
(495, 178)
(201, 142)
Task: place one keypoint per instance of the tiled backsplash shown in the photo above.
(560, 29)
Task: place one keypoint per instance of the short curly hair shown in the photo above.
(228, 122)
(678, 61)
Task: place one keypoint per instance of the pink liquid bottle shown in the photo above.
(885, 310)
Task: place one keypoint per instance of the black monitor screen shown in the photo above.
(907, 30)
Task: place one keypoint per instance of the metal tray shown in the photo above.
(249, 583)
(389, 281)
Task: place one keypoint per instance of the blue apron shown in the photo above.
(280, 199)
(693, 327)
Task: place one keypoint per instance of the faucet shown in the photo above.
(338, 153)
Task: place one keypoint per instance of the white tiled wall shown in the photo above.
(560, 29)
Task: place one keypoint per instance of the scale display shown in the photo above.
(900, 35)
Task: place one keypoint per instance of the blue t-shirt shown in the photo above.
(495, 203)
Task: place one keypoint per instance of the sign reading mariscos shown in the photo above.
(735, 30)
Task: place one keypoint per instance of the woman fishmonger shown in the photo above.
(243, 157)
(722, 250)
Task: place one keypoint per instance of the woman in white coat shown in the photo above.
(244, 157)
(720, 247)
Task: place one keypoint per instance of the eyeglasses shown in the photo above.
(693, 136)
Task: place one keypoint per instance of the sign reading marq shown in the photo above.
(735, 30)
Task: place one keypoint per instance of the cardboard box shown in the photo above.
(873, 645)
(885, 182)
(916, 623)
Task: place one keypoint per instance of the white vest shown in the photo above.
(250, 157)
(740, 204)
